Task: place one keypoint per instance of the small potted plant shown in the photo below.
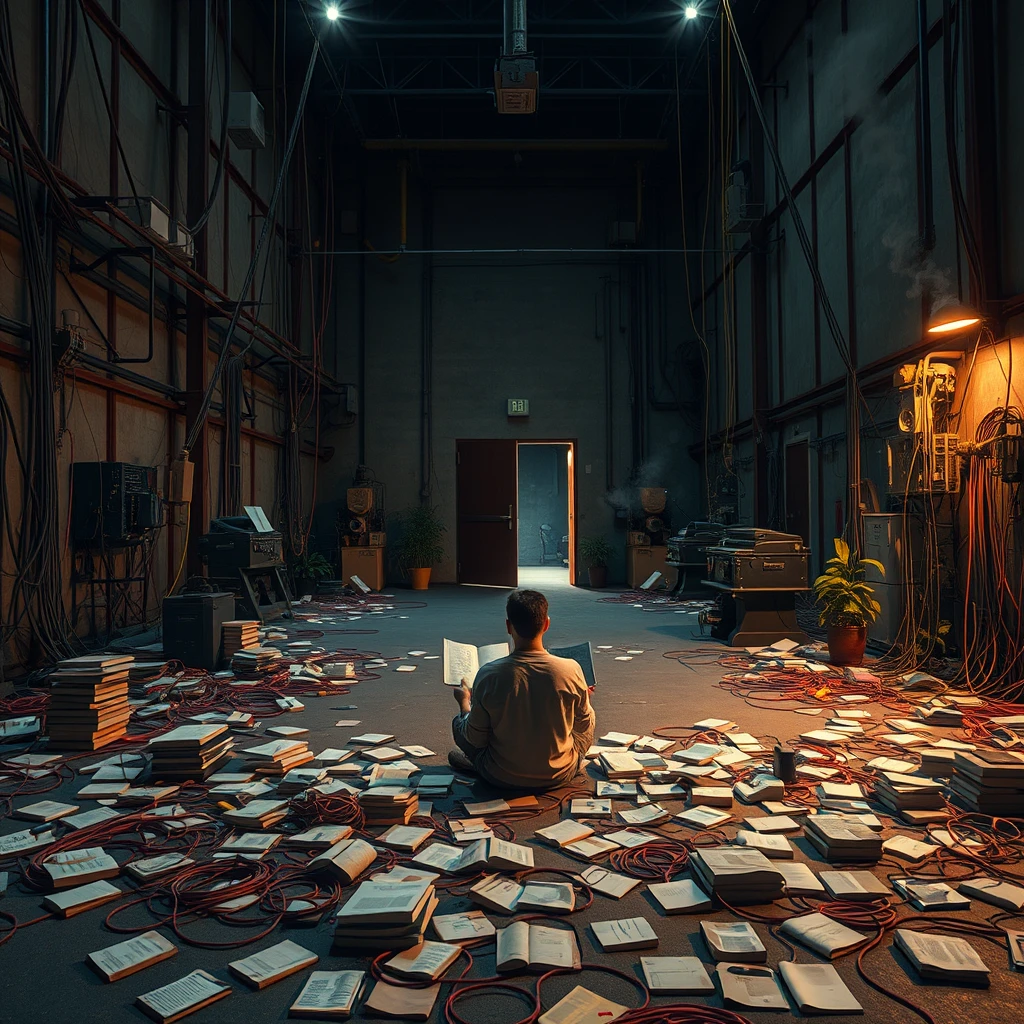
(847, 604)
(421, 545)
(309, 570)
(594, 553)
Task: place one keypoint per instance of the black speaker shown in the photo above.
(193, 626)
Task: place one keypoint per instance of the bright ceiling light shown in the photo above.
(690, 12)
(333, 12)
(952, 318)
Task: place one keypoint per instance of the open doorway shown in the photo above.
(545, 514)
(508, 490)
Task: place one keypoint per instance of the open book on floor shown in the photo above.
(463, 661)
(524, 946)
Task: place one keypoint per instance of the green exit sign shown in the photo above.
(519, 407)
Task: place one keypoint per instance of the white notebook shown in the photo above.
(817, 988)
(625, 934)
(676, 975)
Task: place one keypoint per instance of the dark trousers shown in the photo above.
(477, 757)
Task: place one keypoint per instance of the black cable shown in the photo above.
(222, 151)
(268, 222)
(69, 57)
(36, 600)
(109, 109)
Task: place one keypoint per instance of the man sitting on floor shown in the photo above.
(528, 723)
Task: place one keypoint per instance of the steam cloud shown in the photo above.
(849, 71)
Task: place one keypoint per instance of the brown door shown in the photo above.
(798, 491)
(488, 538)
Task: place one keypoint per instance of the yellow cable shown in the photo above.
(184, 549)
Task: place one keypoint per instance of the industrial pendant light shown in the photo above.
(952, 318)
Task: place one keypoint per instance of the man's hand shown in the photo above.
(462, 697)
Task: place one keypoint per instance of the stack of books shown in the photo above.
(253, 662)
(278, 757)
(618, 766)
(89, 703)
(943, 715)
(190, 752)
(238, 635)
(737, 875)
(915, 798)
(937, 762)
(840, 838)
(385, 915)
(257, 814)
(989, 782)
(388, 805)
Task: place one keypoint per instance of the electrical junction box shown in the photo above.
(622, 234)
(246, 126)
(350, 399)
(148, 214)
(741, 215)
(181, 239)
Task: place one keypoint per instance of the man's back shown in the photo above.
(531, 713)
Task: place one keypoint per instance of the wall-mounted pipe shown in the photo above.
(515, 27)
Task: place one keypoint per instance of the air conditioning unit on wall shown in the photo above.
(246, 125)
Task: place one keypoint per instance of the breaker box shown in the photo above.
(113, 503)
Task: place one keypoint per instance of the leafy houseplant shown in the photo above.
(312, 566)
(847, 603)
(594, 553)
(421, 545)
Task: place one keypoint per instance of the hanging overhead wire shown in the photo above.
(222, 148)
(269, 224)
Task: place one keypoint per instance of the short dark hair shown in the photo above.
(527, 610)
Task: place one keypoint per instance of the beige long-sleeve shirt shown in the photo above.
(531, 714)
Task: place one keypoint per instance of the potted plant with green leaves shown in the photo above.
(422, 543)
(847, 603)
(309, 570)
(595, 553)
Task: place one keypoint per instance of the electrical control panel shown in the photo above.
(113, 503)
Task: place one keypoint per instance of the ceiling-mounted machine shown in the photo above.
(516, 82)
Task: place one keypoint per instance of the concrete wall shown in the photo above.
(444, 341)
(543, 501)
(142, 51)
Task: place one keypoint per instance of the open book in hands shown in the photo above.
(462, 661)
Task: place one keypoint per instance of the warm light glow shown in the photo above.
(951, 318)
(690, 12)
(333, 12)
(954, 325)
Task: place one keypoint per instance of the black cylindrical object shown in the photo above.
(785, 763)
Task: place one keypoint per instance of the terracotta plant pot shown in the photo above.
(598, 576)
(420, 578)
(846, 644)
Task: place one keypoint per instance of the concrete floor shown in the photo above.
(42, 973)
